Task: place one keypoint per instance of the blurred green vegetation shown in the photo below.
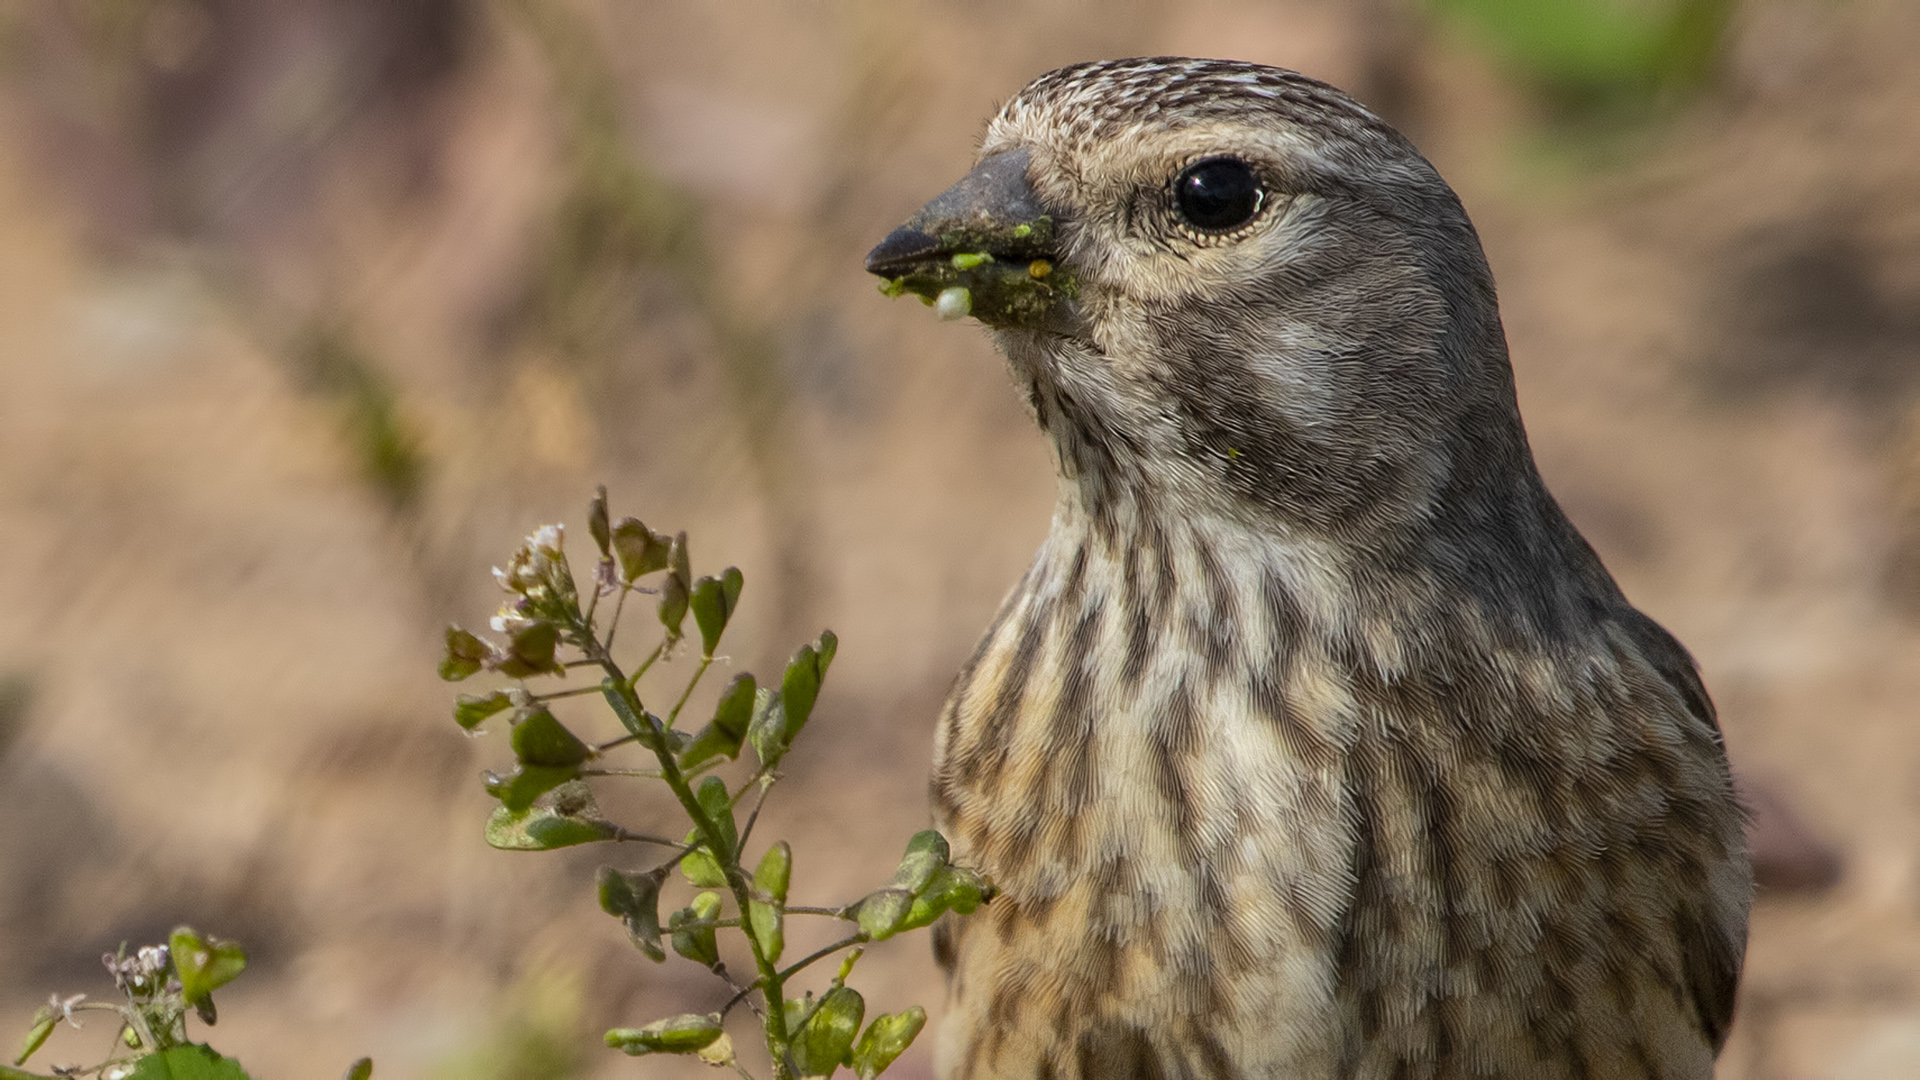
(1599, 58)
(539, 1035)
(386, 449)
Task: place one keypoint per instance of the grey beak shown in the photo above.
(992, 209)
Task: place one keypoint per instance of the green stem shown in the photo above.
(674, 715)
(613, 624)
(573, 691)
(620, 695)
(815, 957)
(624, 836)
(659, 651)
(753, 818)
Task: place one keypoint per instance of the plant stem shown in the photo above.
(613, 624)
(572, 691)
(753, 818)
(705, 663)
(619, 691)
(816, 957)
(648, 838)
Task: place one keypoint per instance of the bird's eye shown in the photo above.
(1218, 194)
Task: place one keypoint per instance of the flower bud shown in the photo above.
(597, 522)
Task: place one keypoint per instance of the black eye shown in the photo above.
(1218, 194)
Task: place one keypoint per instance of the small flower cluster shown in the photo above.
(161, 984)
(149, 971)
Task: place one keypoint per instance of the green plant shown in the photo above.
(161, 985)
(549, 630)
(1594, 55)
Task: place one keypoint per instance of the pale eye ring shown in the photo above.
(1218, 194)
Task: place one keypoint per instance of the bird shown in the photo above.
(1315, 741)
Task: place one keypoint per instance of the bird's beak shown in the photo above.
(983, 247)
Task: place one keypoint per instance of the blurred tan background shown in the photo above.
(309, 309)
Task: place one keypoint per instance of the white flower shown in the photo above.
(548, 540)
(511, 619)
(152, 959)
(64, 1007)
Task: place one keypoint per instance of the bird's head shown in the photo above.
(1229, 289)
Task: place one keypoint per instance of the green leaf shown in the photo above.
(768, 917)
(362, 1069)
(539, 739)
(767, 731)
(531, 652)
(775, 872)
(541, 828)
(882, 914)
(953, 888)
(926, 852)
(692, 940)
(471, 710)
(681, 1034)
(191, 1062)
(8, 1072)
(700, 868)
(800, 687)
(597, 522)
(713, 601)
(43, 1024)
(724, 732)
(204, 964)
(518, 789)
(465, 655)
(735, 710)
(635, 900)
(886, 1039)
(678, 563)
(826, 1041)
(718, 803)
(639, 549)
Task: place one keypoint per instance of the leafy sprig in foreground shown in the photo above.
(552, 628)
(159, 985)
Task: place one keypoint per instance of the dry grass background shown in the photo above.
(310, 308)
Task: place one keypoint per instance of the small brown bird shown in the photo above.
(1316, 743)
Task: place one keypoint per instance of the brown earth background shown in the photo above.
(310, 309)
